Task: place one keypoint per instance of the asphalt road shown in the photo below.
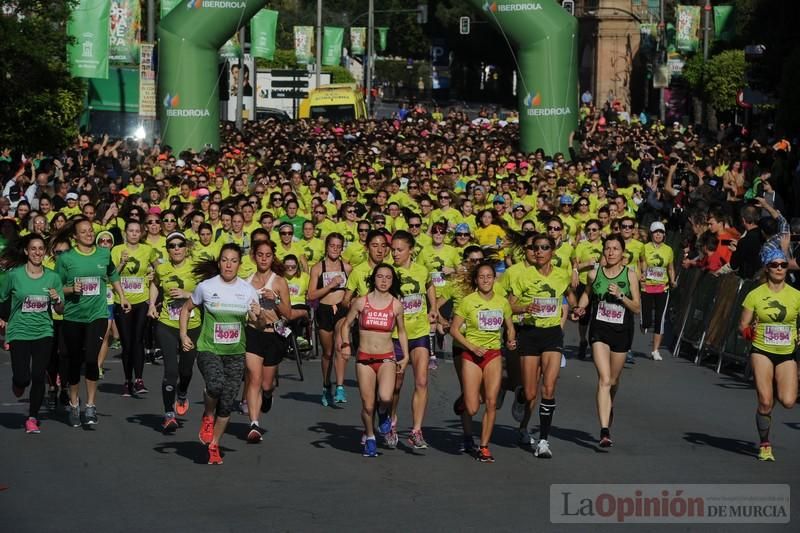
(675, 423)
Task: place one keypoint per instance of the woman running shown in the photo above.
(658, 267)
(419, 310)
(613, 291)
(57, 373)
(774, 305)
(585, 258)
(134, 263)
(379, 313)
(84, 272)
(328, 279)
(484, 315)
(34, 290)
(537, 294)
(175, 280)
(228, 302)
(265, 344)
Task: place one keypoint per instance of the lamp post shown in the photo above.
(318, 66)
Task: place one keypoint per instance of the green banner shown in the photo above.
(724, 25)
(332, 42)
(168, 5)
(232, 49)
(358, 41)
(188, 86)
(383, 38)
(88, 26)
(687, 26)
(304, 44)
(547, 40)
(126, 23)
(263, 29)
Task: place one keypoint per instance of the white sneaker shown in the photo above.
(655, 355)
(543, 450)
(518, 408)
(526, 438)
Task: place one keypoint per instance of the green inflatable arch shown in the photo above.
(190, 37)
(546, 37)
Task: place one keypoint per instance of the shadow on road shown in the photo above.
(193, 450)
(346, 438)
(579, 438)
(148, 420)
(742, 447)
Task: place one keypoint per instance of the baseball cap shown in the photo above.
(463, 227)
(296, 167)
(657, 226)
(175, 235)
(498, 199)
(72, 196)
(565, 200)
(180, 163)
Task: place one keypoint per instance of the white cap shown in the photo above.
(657, 226)
(296, 167)
(72, 196)
(180, 163)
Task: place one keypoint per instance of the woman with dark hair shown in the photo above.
(613, 292)
(228, 302)
(379, 313)
(57, 366)
(84, 272)
(265, 344)
(58, 222)
(327, 283)
(34, 290)
(484, 314)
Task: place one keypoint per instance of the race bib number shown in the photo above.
(227, 332)
(437, 278)
(294, 290)
(490, 320)
(327, 277)
(611, 313)
(778, 335)
(655, 273)
(132, 285)
(90, 286)
(412, 304)
(545, 307)
(35, 304)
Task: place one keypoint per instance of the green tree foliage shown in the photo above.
(284, 59)
(41, 102)
(719, 79)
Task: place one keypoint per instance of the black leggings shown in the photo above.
(59, 362)
(131, 334)
(83, 341)
(223, 375)
(654, 304)
(177, 363)
(28, 366)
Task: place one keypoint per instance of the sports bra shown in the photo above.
(265, 302)
(380, 320)
(326, 276)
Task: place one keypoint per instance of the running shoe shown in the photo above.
(32, 426)
(467, 445)
(433, 363)
(18, 391)
(116, 344)
(765, 452)
(391, 439)
(206, 429)
(255, 435)
(484, 455)
(52, 399)
(370, 448)
(303, 344)
(458, 405)
(169, 424)
(158, 356)
(526, 438)
(606, 442)
(518, 407)
(339, 396)
(214, 457)
(127, 389)
(543, 450)
(266, 401)
(629, 358)
(90, 415)
(384, 423)
(656, 356)
(75, 416)
(416, 440)
(138, 387)
(182, 406)
(327, 398)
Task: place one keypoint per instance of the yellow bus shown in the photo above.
(337, 102)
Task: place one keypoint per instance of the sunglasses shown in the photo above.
(153, 222)
(104, 241)
(627, 226)
(351, 210)
(553, 228)
(382, 222)
(290, 266)
(415, 225)
(592, 230)
(176, 246)
(320, 213)
(519, 209)
(438, 232)
(539, 247)
(462, 234)
(778, 264)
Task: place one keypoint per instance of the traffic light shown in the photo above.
(464, 26)
(569, 5)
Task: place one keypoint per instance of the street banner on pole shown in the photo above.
(724, 27)
(167, 6)
(332, 42)
(88, 25)
(382, 38)
(232, 49)
(262, 34)
(687, 27)
(303, 44)
(126, 23)
(147, 82)
(358, 40)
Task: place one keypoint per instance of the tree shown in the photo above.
(41, 101)
(719, 79)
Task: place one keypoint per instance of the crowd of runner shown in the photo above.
(391, 236)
